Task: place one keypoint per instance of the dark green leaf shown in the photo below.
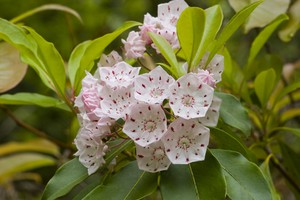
(244, 179)
(199, 180)
(233, 113)
(128, 183)
(32, 99)
(65, 178)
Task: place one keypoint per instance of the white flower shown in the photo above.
(121, 74)
(206, 77)
(145, 123)
(110, 59)
(134, 45)
(153, 87)
(190, 97)
(215, 67)
(212, 115)
(152, 158)
(117, 100)
(150, 24)
(186, 141)
(91, 150)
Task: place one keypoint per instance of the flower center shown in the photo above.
(156, 92)
(184, 142)
(188, 100)
(149, 126)
(158, 154)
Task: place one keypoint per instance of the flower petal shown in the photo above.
(212, 116)
(215, 67)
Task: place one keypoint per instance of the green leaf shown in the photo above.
(266, 171)
(290, 88)
(128, 183)
(225, 140)
(32, 99)
(52, 61)
(12, 70)
(264, 85)
(235, 22)
(166, 50)
(65, 178)
(233, 113)
(37, 145)
(263, 36)
(44, 8)
(92, 51)
(190, 29)
(16, 163)
(293, 25)
(199, 180)
(244, 179)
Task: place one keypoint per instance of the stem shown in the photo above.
(34, 130)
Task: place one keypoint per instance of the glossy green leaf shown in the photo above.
(235, 22)
(266, 171)
(263, 36)
(32, 99)
(128, 183)
(190, 29)
(244, 179)
(213, 22)
(52, 61)
(225, 140)
(293, 25)
(37, 145)
(12, 70)
(166, 50)
(92, 51)
(66, 177)
(16, 163)
(264, 85)
(233, 113)
(45, 8)
(199, 180)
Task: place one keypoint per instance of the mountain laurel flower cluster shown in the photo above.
(167, 119)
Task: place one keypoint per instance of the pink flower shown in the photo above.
(152, 158)
(206, 77)
(212, 115)
(186, 141)
(145, 123)
(151, 24)
(117, 100)
(134, 45)
(153, 87)
(121, 74)
(215, 67)
(190, 97)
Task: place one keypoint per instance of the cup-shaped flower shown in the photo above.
(190, 97)
(153, 87)
(207, 77)
(134, 45)
(186, 141)
(91, 149)
(121, 74)
(212, 115)
(145, 123)
(215, 67)
(116, 100)
(152, 158)
(110, 59)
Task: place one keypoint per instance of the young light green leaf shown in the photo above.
(128, 183)
(44, 8)
(290, 88)
(263, 36)
(16, 163)
(236, 117)
(12, 70)
(266, 172)
(244, 179)
(293, 25)
(235, 22)
(32, 99)
(202, 180)
(166, 50)
(66, 177)
(93, 51)
(190, 29)
(264, 85)
(52, 61)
